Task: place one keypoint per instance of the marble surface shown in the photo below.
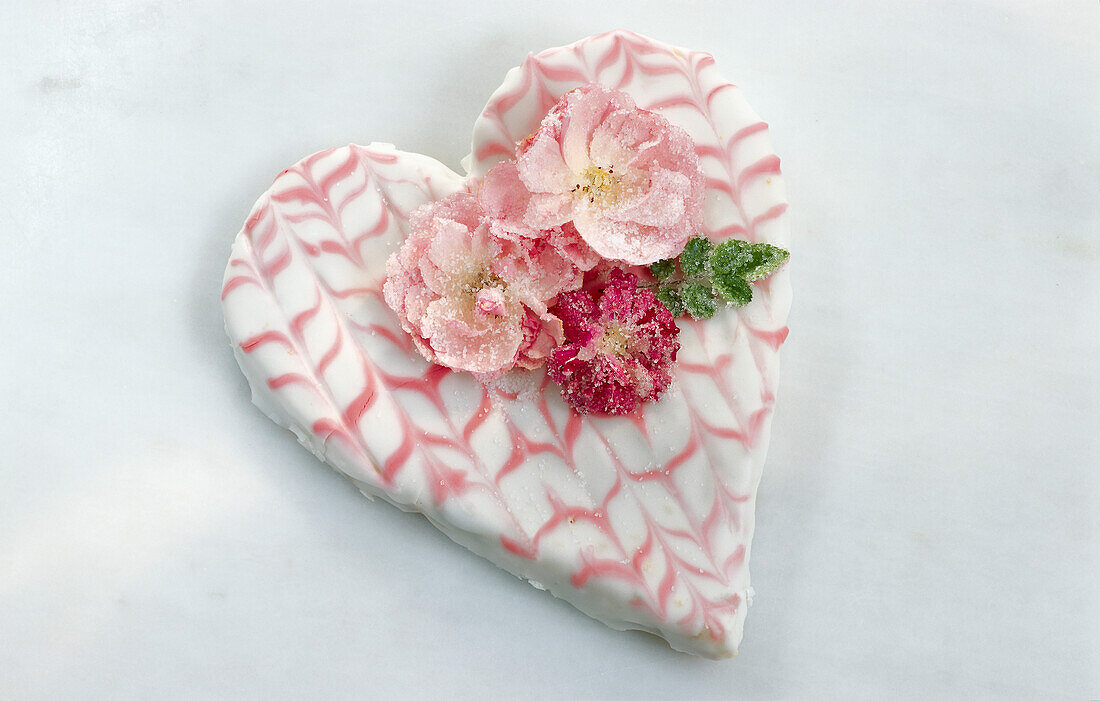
(929, 519)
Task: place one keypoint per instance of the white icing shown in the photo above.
(344, 337)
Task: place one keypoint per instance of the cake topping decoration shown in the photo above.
(535, 266)
(618, 350)
(628, 179)
(709, 273)
(472, 300)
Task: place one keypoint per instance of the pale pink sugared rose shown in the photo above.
(473, 300)
(627, 179)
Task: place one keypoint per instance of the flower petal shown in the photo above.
(475, 343)
(548, 210)
(661, 205)
(505, 198)
(542, 166)
(581, 112)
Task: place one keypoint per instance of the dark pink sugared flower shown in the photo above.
(627, 179)
(618, 350)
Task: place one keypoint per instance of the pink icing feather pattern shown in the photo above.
(643, 521)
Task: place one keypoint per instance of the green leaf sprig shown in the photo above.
(710, 273)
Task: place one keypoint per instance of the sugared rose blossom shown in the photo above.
(628, 179)
(472, 300)
(619, 347)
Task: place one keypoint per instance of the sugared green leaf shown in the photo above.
(693, 260)
(764, 259)
(663, 268)
(732, 288)
(670, 297)
(750, 261)
(698, 300)
(730, 258)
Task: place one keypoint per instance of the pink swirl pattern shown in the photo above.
(642, 521)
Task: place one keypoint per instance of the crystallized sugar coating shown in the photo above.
(618, 351)
(566, 239)
(473, 300)
(627, 179)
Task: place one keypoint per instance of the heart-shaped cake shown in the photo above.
(640, 517)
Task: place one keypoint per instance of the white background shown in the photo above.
(929, 519)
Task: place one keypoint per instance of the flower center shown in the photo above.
(600, 186)
(484, 291)
(615, 340)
